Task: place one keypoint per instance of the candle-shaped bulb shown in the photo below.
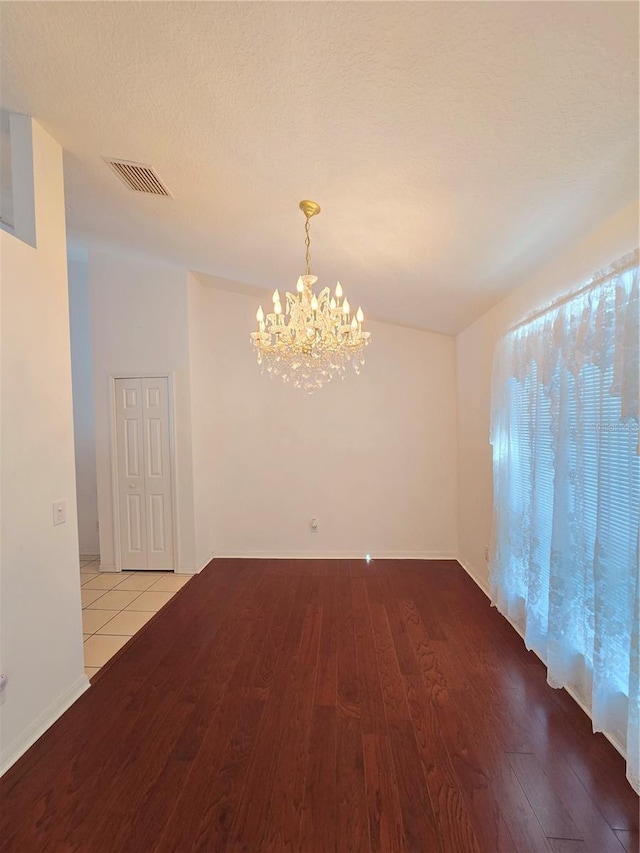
(333, 304)
(276, 297)
(354, 324)
(345, 306)
(359, 315)
(314, 303)
(300, 285)
(338, 290)
(260, 315)
(277, 308)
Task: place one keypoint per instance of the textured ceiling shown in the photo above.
(454, 147)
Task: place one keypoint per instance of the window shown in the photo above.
(564, 565)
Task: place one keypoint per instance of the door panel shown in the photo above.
(135, 528)
(157, 525)
(132, 446)
(154, 447)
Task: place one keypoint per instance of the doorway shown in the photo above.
(143, 489)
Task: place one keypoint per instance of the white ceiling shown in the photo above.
(454, 147)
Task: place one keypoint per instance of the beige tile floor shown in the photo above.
(116, 605)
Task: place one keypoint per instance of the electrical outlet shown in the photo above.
(486, 553)
(3, 681)
(59, 512)
(314, 525)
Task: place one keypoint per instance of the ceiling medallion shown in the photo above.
(316, 337)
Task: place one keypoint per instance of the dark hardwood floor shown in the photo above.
(321, 706)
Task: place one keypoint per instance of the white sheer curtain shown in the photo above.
(566, 471)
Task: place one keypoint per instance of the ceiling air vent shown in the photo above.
(138, 177)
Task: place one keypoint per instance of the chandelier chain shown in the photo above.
(307, 243)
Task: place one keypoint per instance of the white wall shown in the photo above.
(83, 427)
(373, 458)
(475, 344)
(41, 628)
(139, 327)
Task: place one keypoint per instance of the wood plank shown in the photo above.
(555, 820)
(348, 685)
(310, 639)
(371, 706)
(393, 695)
(386, 831)
(267, 661)
(289, 785)
(401, 642)
(327, 664)
(352, 822)
(418, 819)
(318, 831)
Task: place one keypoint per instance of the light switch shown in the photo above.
(59, 512)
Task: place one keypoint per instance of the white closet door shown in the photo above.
(131, 477)
(157, 473)
(144, 473)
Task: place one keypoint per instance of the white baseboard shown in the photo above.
(30, 735)
(89, 556)
(332, 555)
(473, 574)
(203, 565)
(613, 739)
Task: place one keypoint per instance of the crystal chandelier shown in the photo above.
(316, 337)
